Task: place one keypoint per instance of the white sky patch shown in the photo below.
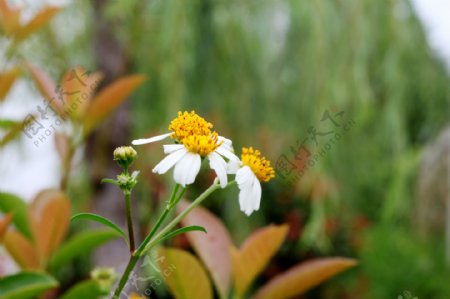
(435, 17)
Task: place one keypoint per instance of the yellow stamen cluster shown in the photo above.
(189, 124)
(259, 165)
(202, 144)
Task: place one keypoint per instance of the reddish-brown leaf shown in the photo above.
(21, 250)
(303, 277)
(77, 88)
(47, 88)
(4, 224)
(7, 80)
(107, 100)
(213, 247)
(39, 20)
(254, 255)
(51, 215)
(9, 18)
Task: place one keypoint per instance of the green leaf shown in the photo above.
(80, 244)
(102, 220)
(25, 285)
(184, 274)
(10, 203)
(85, 289)
(7, 123)
(181, 231)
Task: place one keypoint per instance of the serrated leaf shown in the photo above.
(212, 248)
(21, 250)
(80, 244)
(107, 100)
(303, 277)
(86, 290)
(51, 214)
(41, 19)
(254, 255)
(10, 203)
(25, 285)
(101, 220)
(184, 275)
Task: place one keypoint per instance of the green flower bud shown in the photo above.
(124, 156)
(105, 278)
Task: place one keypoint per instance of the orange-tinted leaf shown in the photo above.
(9, 17)
(39, 20)
(4, 223)
(7, 79)
(109, 99)
(78, 88)
(303, 277)
(184, 275)
(51, 216)
(21, 250)
(211, 247)
(254, 255)
(47, 88)
(62, 144)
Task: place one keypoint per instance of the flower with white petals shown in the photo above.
(186, 124)
(195, 141)
(253, 170)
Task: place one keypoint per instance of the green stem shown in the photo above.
(150, 240)
(129, 221)
(180, 216)
(136, 254)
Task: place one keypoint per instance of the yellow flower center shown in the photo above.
(201, 144)
(189, 124)
(259, 165)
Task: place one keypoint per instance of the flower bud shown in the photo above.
(124, 156)
(105, 278)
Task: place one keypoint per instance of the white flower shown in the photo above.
(195, 141)
(187, 158)
(253, 170)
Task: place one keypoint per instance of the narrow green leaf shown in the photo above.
(25, 285)
(10, 203)
(86, 289)
(111, 181)
(180, 231)
(80, 244)
(7, 123)
(102, 220)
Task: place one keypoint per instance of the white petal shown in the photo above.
(244, 177)
(256, 194)
(150, 140)
(169, 161)
(245, 201)
(187, 169)
(226, 143)
(219, 165)
(233, 166)
(229, 154)
(170, 148)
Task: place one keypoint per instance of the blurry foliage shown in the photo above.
(266, 71)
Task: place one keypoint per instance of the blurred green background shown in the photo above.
(264, 72)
